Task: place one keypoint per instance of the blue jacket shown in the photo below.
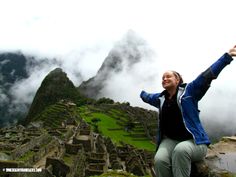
(187, 98)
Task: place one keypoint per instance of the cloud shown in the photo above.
(3, 98)
(126, 84)
(182, 35)
(131, 66)
(82, 64)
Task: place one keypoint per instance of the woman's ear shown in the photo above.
(178, 80)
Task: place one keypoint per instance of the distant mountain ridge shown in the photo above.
(123, 56)
(16, 67)
(12, 69)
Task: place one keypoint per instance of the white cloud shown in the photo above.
(186, 36)
(3, 98)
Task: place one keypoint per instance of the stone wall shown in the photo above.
(80, 165)
(44, 151)
(85, 153)
(94, 169)
(59, 168)
(73, 148)
(37, 141)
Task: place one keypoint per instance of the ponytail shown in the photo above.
(178, 76)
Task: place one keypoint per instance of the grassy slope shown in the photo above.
(112, 123)
(54, 115)
(116, 174)
(109, 125)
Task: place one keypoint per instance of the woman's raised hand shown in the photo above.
(232, 52)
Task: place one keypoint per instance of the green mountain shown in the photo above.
(15, 68)
(55, 87)
(57, 100)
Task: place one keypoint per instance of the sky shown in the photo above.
(184, 35)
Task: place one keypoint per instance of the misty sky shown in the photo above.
(184, 35)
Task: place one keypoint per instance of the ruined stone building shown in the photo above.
(73, 150)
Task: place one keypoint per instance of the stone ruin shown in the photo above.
(76, 151)
(73, 150)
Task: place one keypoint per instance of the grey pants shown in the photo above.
(173, 158)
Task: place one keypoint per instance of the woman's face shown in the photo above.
(169, 80)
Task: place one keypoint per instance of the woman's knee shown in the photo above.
(162, 167)
(181, 150)
(161, 160)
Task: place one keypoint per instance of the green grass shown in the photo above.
(26, 156)
(115, 173)
(68, 159)
(53, 115)
(107, 123)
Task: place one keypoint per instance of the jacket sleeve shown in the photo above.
(201, 84)
(151, 99)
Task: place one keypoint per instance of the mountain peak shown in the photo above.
(127, 52)
(56, 71)
(56, 86)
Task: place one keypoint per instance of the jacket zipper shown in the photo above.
(180, 107)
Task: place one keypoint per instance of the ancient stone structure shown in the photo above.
(59, 168)
(76, 151)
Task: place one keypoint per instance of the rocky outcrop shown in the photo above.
(220, 160)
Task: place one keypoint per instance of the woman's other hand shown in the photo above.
(232, 52)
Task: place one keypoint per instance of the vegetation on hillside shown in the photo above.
(115, 173)
(58, 100)
(118, 125)
(55, 87)
(110, 120)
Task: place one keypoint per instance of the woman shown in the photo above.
(181, 137)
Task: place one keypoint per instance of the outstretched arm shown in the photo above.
(152, 99)
(200, 85)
